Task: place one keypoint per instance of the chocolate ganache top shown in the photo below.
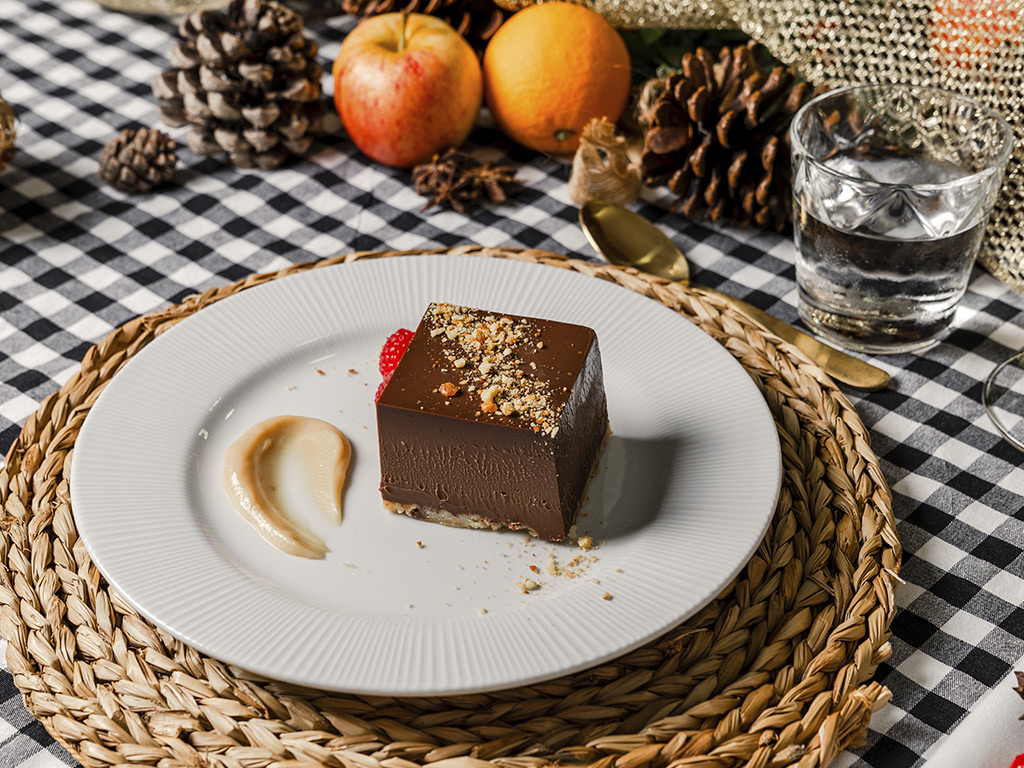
(490, 367)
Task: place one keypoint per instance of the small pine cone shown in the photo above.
(247, 81)
(717, 135)
(7, 134)
(475, 20)
(138, 160)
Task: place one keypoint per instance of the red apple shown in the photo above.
(406, 86)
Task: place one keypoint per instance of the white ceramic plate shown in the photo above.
(686, 487)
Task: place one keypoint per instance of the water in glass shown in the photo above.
(882, 267)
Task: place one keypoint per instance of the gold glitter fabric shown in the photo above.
(974, 47)
(654, 14)
(671, 14)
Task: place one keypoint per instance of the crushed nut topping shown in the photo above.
(448, 389)
(528, 585)
(484, 347)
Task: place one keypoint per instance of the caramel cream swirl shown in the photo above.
(251, 469)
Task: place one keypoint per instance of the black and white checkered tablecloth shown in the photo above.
(79, 259)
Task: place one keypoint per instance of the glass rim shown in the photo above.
(997, 165)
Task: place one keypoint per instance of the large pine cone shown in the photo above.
(248, 82)
(475, 20)
(717, 135)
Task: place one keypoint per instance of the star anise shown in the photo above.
(461, 181)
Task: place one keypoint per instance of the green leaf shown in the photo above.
(659, 52)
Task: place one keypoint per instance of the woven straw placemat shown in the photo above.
(774, 671)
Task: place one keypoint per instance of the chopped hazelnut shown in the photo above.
(448, 389)
(486, 345)
(528, 585)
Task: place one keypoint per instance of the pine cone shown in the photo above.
(6, 134)
(138, 160)
(248, 82)
(475, 20)
(717, 135)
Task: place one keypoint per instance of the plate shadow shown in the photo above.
(629, 488)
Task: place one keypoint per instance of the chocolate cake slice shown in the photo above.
(492, 421)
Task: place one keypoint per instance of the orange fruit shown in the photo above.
(549, 70)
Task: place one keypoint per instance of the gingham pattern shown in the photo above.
(79, 259)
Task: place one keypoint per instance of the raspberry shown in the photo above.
(392, 352)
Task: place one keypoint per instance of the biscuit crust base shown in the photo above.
(444, 517)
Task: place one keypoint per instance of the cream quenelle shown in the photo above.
(252, 467)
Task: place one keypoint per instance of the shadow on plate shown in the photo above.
(628, 491)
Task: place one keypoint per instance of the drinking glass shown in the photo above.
(892, 186)
(1003, 397)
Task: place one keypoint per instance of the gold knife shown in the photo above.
(839, 365)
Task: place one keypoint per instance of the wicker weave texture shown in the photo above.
(774, 671)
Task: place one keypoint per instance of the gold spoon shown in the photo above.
(629, 240)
